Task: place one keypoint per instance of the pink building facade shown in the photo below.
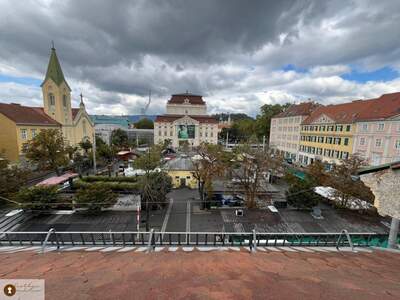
(378, 142)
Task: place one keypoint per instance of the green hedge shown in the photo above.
(115, 186)
(109, 179)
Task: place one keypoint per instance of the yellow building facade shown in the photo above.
(20, 123)
(325, 142)
(182, 178)
(328, 133)
(180, 169)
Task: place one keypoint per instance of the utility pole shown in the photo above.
(227, 130)
(94, 154)
(264, 143)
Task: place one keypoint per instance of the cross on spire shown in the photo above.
(52, 45)
(81, 97)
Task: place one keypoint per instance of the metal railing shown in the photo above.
(154, 239)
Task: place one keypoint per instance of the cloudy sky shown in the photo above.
(238, 54)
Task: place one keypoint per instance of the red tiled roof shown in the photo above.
(27, 115)
(172, 118)
(386, 106)
(302, 109)
(209, 275)
(180, 99)
(74, 112)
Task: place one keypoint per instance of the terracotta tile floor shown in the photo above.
(209, 275)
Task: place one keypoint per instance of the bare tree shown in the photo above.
(208, 163)
(249, 167)
(342, 178)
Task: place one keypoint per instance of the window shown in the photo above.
(65, 101)
(362, 141)
(378, 142)
(346, 141)
(381, 126)
(33, 132)
(397, 144)
(159, 132)
(52, 99)
(24, 134)
(365, 127)
(348, 127)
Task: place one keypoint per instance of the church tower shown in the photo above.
(57, 93)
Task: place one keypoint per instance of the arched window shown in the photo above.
(65, 101)
(52, 99)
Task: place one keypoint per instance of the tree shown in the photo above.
(119, 138)
(71, 151)
(144, 124)
(85, 145)
(38, 197)
(148, 162)
(166, 144)
(317, 173)
(249, 167)
(343, 180)
(300, 193)
(240, 130)
(105, 152)
(263, 120)
(155, 188)
(11, 178)
(208, 163)
(48, 150)
(94, 197)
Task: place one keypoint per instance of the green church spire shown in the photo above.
(54, 70)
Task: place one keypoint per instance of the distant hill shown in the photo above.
(234, 117)
(114, 119)
(135, 118)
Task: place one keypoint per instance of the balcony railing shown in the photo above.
(154, 239)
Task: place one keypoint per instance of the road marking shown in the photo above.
(166, 218)
(188, 213)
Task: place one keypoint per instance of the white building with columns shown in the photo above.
(186, 121)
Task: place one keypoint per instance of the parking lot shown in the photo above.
(183, 214)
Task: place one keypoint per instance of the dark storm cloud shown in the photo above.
(224, 49)
(91, 35)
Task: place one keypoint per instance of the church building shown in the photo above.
(21, 123)
(186, 122)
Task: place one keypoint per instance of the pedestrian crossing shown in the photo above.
(121, 249)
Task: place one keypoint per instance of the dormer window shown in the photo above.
(186, 101)
(52, 99)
